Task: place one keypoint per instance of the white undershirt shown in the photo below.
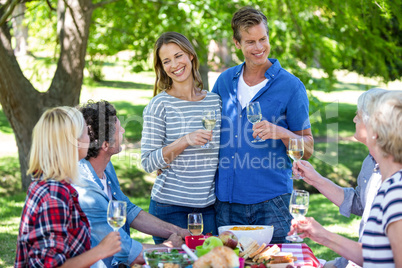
(245, 93)
(106, 187)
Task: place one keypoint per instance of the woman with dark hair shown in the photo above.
(173, 136)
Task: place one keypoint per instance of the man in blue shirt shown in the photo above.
(253, 182)
(99, 184)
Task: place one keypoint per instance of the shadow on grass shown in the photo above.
(130, 118)
(340, 162)
(10, 209)
(333, 119)
(10, 176)
(118, 84)
(322, 84)
(131, 177)
(8, 250)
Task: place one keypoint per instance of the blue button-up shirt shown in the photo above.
(94, 203)
(251, 173)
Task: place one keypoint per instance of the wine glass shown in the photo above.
(116, 214)
(298, 207)
(296, 151)
(208, 122)
(254, 116)
(195, 223)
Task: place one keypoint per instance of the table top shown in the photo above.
(304, 254)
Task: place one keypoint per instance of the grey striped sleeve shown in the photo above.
(153, 136)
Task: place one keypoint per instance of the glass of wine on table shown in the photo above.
(296, 151)
(298, 207)
(116, 214)
(195, 223)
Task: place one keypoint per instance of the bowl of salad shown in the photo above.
(167, 258)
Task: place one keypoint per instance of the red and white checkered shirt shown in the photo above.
(53, 227)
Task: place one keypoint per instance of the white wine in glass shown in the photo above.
(116, 214)
(254, 116)
(195, 223)
(298, 207)
(208, 123)
(296, 151)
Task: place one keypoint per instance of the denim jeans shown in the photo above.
(177, 215)
(271, 212)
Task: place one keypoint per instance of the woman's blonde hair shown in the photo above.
(163, 81)
(385, 120)
(54, 150)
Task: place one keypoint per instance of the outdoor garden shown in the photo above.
(338, 51)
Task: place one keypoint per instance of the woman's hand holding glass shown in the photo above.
(307, 172)
(116, 214)
(298, 207)
(310, 228)
(110, 244)
(296, 151)
(208, 123)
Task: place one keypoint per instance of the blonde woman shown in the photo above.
(381, 241)
(54, 231)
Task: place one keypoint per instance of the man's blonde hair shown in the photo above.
(54, 150)
(385, 120)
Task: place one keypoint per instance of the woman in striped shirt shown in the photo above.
(173, 136)
(381, 241)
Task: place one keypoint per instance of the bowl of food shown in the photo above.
(167, 258)
(260, 233)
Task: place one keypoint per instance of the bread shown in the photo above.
(219, 257)
(282, 257)
(245, 242)
(258, 251)
(255, 259)
(266, 255)
(250, 248)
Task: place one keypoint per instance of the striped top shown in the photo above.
(387, 208)
(189, 179)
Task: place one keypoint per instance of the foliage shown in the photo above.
(356, 35)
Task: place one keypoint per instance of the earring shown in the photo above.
(374, 137)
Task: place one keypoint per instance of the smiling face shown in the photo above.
(255, 45)
(361, 131)
(176, 63)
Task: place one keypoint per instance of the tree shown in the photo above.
(21, 103)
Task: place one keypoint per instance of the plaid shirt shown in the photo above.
(53, 227)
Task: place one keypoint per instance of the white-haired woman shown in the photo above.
(350, 200)
(54, 231)
(381, 241)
